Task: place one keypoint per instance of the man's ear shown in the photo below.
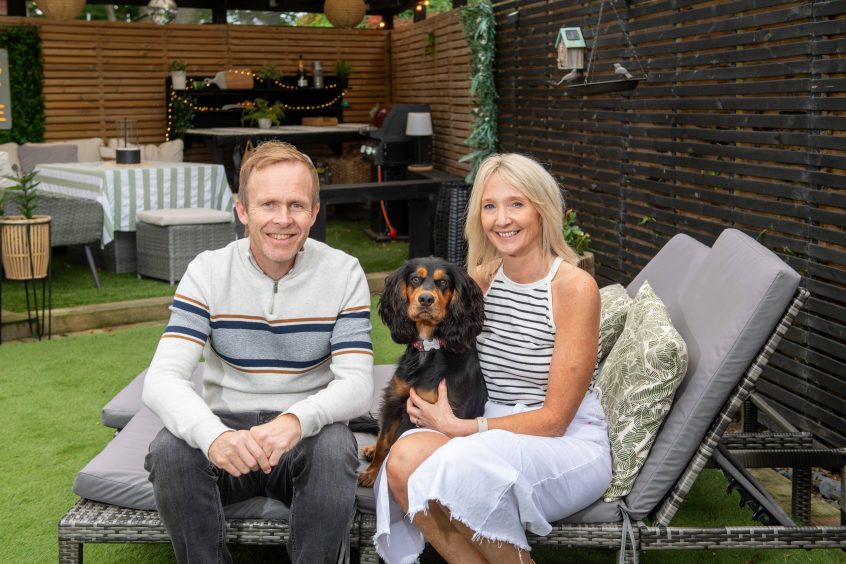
(314, 211)
(242, 213)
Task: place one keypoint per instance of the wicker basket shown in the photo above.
(349, 169)
(61, 9)
(20, 237)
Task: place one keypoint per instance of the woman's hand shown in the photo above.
(438, 415)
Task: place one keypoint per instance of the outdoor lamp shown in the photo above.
(419, 127)
(127, 150)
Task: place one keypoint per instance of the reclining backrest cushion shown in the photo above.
(11, 149)
(725, 314)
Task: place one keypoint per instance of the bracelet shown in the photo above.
(483, 424)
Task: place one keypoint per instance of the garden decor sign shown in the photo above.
(5, 96)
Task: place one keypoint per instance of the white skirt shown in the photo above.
(499, 483)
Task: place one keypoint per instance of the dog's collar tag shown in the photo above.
(427, 344)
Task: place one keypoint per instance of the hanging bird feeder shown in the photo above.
(571, 56)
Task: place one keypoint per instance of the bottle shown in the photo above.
(302, 80)
(317, 81)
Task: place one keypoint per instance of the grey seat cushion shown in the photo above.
(116, 476)
(725, 311)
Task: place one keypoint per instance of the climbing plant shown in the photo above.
(479, 25)
(23, 45)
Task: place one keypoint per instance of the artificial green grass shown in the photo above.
(51, 393)
(73, 285)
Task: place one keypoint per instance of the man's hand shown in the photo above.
(238, 453)
(278, 436)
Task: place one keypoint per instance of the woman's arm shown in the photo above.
(575, 302)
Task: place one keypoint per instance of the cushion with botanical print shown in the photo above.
(615, 303)
(637, 383)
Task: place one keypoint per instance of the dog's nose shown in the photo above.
(426, 299)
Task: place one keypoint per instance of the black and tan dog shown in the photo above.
(436, 309)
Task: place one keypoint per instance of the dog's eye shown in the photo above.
(415, 280)
(443, 284)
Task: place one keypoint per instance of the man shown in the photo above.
(283, 324)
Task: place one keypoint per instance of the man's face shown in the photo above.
(278, 215)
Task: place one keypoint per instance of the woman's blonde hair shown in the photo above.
(539, 187)
(270, 153)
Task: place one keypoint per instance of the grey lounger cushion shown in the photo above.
(725, 301)
(117, 476)
(726, 311)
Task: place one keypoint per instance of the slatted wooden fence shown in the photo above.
(97, 72)
(430, 64)
(742, 123)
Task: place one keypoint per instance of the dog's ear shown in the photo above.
(466, 314)
(393, 307)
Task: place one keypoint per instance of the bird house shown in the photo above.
(570, 44)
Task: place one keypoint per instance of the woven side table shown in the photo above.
(167, 240)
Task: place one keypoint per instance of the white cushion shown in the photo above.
(169, 151)
(184, 216)
(87, 150)
(5, 170)
(11, 149)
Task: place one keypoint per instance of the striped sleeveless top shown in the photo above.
(516, 343)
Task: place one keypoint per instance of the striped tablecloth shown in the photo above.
(124, 190)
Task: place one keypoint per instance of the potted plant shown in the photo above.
(25, 236)
(269, 74)
(177, 74)
(263, 113)
(343, 70)
(578, 241)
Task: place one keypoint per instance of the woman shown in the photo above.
(472, 487)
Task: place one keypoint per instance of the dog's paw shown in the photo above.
(368, 451)
(367, 478)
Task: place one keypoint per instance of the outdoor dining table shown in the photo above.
(125, 190)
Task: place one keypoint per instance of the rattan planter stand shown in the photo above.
(26, 251)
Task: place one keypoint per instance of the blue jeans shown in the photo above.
(316, 480)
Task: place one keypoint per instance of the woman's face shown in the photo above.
(509, 220)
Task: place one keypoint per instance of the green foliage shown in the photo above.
(23, 194)
(479, 25)
(343, 68)
(178, 66)
(269, 72)
(263, 110)
(573, 234)
(25, 83)
(181, 116)
(429, 47)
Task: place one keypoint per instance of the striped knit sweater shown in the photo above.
(299, 345)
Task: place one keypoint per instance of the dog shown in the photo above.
(436, 309)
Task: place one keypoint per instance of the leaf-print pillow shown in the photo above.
(612, 316)
(638, 382)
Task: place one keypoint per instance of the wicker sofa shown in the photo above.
(732, 303)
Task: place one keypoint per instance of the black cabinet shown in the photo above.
(215, 107)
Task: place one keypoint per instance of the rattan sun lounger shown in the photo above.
(732, 303)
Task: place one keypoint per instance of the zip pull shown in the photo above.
(273, 297)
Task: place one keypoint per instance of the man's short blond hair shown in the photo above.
(270, 153)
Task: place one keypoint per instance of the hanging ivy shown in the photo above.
(23, 45)
(477, 19)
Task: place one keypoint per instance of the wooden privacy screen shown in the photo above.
(742, 124)
(96, 72)
(431, 65)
